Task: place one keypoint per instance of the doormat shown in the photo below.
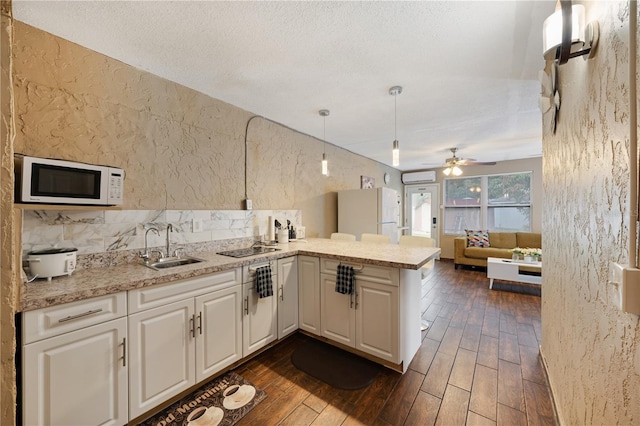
(223, 402)
(334, 366)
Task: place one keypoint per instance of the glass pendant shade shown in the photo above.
(325, 166)
(396, 154)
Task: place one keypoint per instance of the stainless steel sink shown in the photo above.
(172, 262)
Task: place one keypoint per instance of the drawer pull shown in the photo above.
(281, 289)
(356, 269)
(84, 314)
(246, 305)
(253, 268)
(200, 322)
(192, 325)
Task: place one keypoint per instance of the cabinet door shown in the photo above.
(259, 320)
(218, 331)
(77, 378)
(377, 319)
(338, 316)
(161, 354)
(309, 294)
(287, 296)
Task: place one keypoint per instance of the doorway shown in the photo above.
(422, 212)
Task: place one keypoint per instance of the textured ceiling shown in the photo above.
(468, 68)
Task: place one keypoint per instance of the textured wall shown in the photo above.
(8, 250)
(180, 148)
(591, 348)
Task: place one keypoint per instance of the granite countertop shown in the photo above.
(87, 283)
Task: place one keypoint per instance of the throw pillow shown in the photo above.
(477, 238)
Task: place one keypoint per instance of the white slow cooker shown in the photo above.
(52, 262)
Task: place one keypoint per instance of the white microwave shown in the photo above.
(49, 181)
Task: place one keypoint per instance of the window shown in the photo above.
(499, 203)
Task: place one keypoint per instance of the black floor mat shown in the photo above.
(334, 366)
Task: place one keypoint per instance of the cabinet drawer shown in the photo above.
(378, 274)
(55, 320)
(151, 297)
(249, 271)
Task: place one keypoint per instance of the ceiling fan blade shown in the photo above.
(480, 163)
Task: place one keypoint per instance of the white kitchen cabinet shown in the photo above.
(337, 318)
(366, 320)
(219, 328)
(287, 296)
(77, 378)
(74, 363)
(161, 354)
(260, 315)
(376, 308)
(309, 294)
(180, 334)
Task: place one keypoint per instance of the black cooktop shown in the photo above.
(251, 251)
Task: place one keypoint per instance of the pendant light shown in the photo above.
(325, 166)
(395, 91)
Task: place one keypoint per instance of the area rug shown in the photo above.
(334, 366)
(224, 401)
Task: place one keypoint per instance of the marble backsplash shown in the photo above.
(111, 237)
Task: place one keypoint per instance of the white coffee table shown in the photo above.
(507, 269)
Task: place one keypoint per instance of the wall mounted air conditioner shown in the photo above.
(419, 177)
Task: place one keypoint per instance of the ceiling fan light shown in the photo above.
(457, 171)
(447, 171)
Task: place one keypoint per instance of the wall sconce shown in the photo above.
(565, 36)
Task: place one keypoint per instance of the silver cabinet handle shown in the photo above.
(246, 305)
(200, 322)
(84, 314)
(351, 300)
(282, 293)
(192, 322)
(356, 300)
(124, 351)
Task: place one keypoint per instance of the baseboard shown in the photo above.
(551, 390)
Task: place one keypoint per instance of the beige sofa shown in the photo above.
(500, 245)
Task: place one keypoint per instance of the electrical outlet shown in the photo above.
(196, 225)
(628, 281)
(249, 204)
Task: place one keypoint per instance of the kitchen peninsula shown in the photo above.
(94, 282)
(168, 330)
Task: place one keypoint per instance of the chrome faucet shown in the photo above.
(169, 229)
(146, 253)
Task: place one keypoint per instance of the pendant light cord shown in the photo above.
(395, 117)
(324, 135)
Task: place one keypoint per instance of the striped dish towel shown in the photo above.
(345, 279)
(264, 284)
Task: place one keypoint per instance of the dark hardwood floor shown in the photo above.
(478, 365)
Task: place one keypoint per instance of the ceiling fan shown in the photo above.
(452, 163)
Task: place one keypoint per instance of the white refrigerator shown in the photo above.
(373, 211)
